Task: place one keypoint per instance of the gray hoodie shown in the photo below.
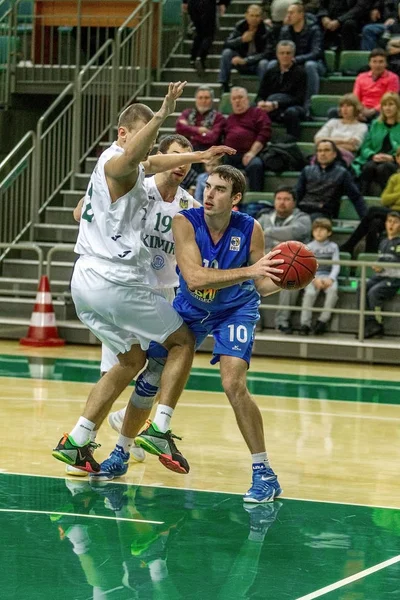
(295, 227)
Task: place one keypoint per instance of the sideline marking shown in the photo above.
(355, 577)
(67, 514)
(171, 487)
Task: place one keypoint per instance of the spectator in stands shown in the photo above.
(204, 18)
(393, 51)
(202, 125)
(372, 225)
(308, 42)
(370, 87)
(382, 16)
(385, 284)
(276, 11)
(325, 279)
(282, 90)
(346, 132)
(284, 223)
(321, 185)
(202, 178)
(248, 129)
(341, 21)
(248, 47)
(376, 160)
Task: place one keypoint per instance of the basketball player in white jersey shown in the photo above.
(111, 285)
(166, 199)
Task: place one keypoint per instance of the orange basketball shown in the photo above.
(299, 267)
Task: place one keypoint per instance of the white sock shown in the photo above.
(93, 435)
(81, 432)
(261, 457)
(162, 417)
(124, 442)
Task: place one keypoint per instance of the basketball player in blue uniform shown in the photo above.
(223, 271)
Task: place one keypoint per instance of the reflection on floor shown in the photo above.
(68, 539)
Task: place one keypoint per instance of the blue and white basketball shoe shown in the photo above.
(114, 466)
(265, 486)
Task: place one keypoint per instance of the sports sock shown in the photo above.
(80, 434)
(162, 417)
(261, 457)
(93, 435)
(124, 442)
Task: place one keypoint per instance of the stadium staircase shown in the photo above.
(18, 279)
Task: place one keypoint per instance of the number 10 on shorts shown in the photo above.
(237, 333)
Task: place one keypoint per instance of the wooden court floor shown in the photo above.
(332, 434)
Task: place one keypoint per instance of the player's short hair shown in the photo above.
(299, 6)
(167, 141)
(322, 222)
(133, 113)
(287, 189)
(234, 176)
(205, 88)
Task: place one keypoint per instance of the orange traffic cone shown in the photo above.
(42, 330)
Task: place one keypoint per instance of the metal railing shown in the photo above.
(172, 26)
(360, 312)
(8, 49)
(26, 246)
(59, 248)
(16, 190)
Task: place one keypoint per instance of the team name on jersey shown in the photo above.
(153, 241)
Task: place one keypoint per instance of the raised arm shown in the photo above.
(164, 162)
(125, 165)
(198, 277)
(77, 213)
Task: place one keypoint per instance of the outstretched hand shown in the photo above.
(216, 152)
(175, 91)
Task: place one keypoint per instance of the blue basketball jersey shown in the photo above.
(231, 252)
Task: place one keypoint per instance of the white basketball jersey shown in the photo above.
(157, 232)
(110, 232)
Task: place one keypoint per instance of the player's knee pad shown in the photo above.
(142, 402)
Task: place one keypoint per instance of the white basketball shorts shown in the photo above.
(121, 315)
(109, 358)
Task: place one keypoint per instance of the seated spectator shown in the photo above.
(393, 51)
(276, 11)
(202, 125)
(372, 225)
(320, 186)
(382, 17)
(202, 178)
(325, 279)
(247, 130)
(385, 284)
(370, 87)
(284, 223)
(376, 160)
(308, 42)
(341, 22)
(346, 132)
(248, 47)
(282, 90)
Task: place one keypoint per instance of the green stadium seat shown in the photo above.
(307, 148)
(351, 61)
(225, 103)
(330, 60)
(25, 16)
(347, 210)
(366, 256)
(321, 104)
(344, 270)
(258, 197)
(373, 201)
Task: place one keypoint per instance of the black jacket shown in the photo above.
(263, 39)
(343, 10)
(309, 42)
(293, 83)
(320, 190)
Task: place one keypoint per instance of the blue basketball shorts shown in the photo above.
(232, 330)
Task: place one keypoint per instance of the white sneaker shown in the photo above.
(71, 470)
(138, 454)
(115, 420)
